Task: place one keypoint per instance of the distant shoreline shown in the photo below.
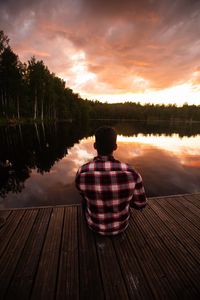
(147, 121)
(13, 122)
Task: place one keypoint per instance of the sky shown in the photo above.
(112, 50)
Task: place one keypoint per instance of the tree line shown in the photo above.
(30, 91)
(147, 112)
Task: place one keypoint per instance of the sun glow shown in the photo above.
(180, 94)
(80, 70)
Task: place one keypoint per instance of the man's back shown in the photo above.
(108, 188)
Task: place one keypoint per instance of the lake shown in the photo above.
(38, 162)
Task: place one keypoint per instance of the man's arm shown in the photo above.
(77, 180)
(139, 199)
(77, 183)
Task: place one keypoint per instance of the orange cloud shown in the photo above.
(126, 46)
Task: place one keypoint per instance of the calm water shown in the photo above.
(38, 163)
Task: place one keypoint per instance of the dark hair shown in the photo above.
(106, 138)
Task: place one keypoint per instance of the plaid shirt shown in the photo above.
(109, 187)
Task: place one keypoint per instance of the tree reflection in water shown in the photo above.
(35, 146)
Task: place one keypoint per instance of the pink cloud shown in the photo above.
(122, 41)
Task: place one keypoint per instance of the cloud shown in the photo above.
(118, 46)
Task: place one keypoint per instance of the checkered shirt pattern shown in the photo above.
(109, 187)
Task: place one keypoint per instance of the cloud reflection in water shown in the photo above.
(168, 165)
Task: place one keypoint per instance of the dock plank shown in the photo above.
(136, 283)
(187, 268)
(14, 249)
(8, 229)
(89, 272)
(154, 272)
(4, 215)
(180, 219)
(194, 199)
(179, 281)
(184, 207)
(113, 281)
(46, 276)
(23, 278)
(183, 236)
(68, 284)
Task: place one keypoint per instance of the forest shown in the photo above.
(30, 91)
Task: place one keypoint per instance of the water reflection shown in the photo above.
(38, 162)
(33, 147)
(165, 172)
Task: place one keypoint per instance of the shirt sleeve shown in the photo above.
(139, 199)
(77, 183)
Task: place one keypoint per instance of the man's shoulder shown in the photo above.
(86, 167)
(130, 169)
(126, 167)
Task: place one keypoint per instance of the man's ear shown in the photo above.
(95, 146)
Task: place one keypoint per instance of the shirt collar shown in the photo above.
(104, 158)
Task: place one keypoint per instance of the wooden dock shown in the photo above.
(49, 253)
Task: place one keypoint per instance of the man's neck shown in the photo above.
(110, 154)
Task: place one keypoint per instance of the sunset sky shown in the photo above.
(112, 50)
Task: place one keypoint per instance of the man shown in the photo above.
(109, 187)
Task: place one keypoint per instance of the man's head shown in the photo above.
(105, 140)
